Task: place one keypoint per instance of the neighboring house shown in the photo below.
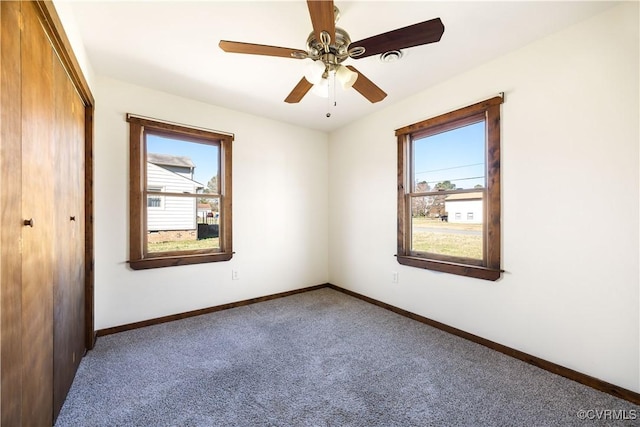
(206, 214)
(171, 174)
(464, 207)
(204, 210)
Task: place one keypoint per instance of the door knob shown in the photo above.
(29, 222)
(72, 218)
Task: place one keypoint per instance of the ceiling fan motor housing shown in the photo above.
(338, 48)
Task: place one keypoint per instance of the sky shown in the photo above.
(204, 156)
(456, 155)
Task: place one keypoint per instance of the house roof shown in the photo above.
(170, 160)
(181, 176)
(477, 195)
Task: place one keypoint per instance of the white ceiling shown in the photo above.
(172, 46)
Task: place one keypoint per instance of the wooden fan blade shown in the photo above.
(299, 91)
(367, 88)
(322, 17)
(414, 35)
(261, 49)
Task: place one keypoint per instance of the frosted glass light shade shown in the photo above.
(321, 88)
(314, 72)
(346, 77)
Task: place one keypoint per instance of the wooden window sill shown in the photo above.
(175, 260)
(475, 271)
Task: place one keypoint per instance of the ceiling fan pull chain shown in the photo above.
(331, 92)
(333, 87)
(329, 87)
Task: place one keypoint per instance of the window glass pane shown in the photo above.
(450, 160)
(180, 166)
(177, 223)
(186, 223)
(448, 225)
(208, 221)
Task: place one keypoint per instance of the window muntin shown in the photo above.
(189, 171)
(449, 192)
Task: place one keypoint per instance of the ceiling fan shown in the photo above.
(328, 46)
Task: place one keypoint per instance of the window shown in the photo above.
(448, 165)
(180, 194)
(155, 201)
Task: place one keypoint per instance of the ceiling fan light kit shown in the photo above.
(314, 72)
(328, 46)
(318, 74)
(321, 88)
(346, 77)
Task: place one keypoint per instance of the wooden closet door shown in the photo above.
(69, 295)
(38, 211)
(42, 214)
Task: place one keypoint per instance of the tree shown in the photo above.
(437, 209)
(212, 185)
(422, 186)
(420, 205)
(445, 185)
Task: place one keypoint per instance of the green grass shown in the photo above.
(436, 223)
(440, 242)
(448, 244)
(184, 245)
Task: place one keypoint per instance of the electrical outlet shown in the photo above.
(234, 275)
(394, 277)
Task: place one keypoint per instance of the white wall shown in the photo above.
(70, 24)
(570, 175)
(280, 212)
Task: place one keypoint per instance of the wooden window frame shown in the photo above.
(138, 257)
(489, 268)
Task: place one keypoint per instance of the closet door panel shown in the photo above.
(10, 216)
(68, 320)
(38, 213)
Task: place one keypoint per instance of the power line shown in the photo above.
(445, 169)
(465, 179)
(455, 179)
